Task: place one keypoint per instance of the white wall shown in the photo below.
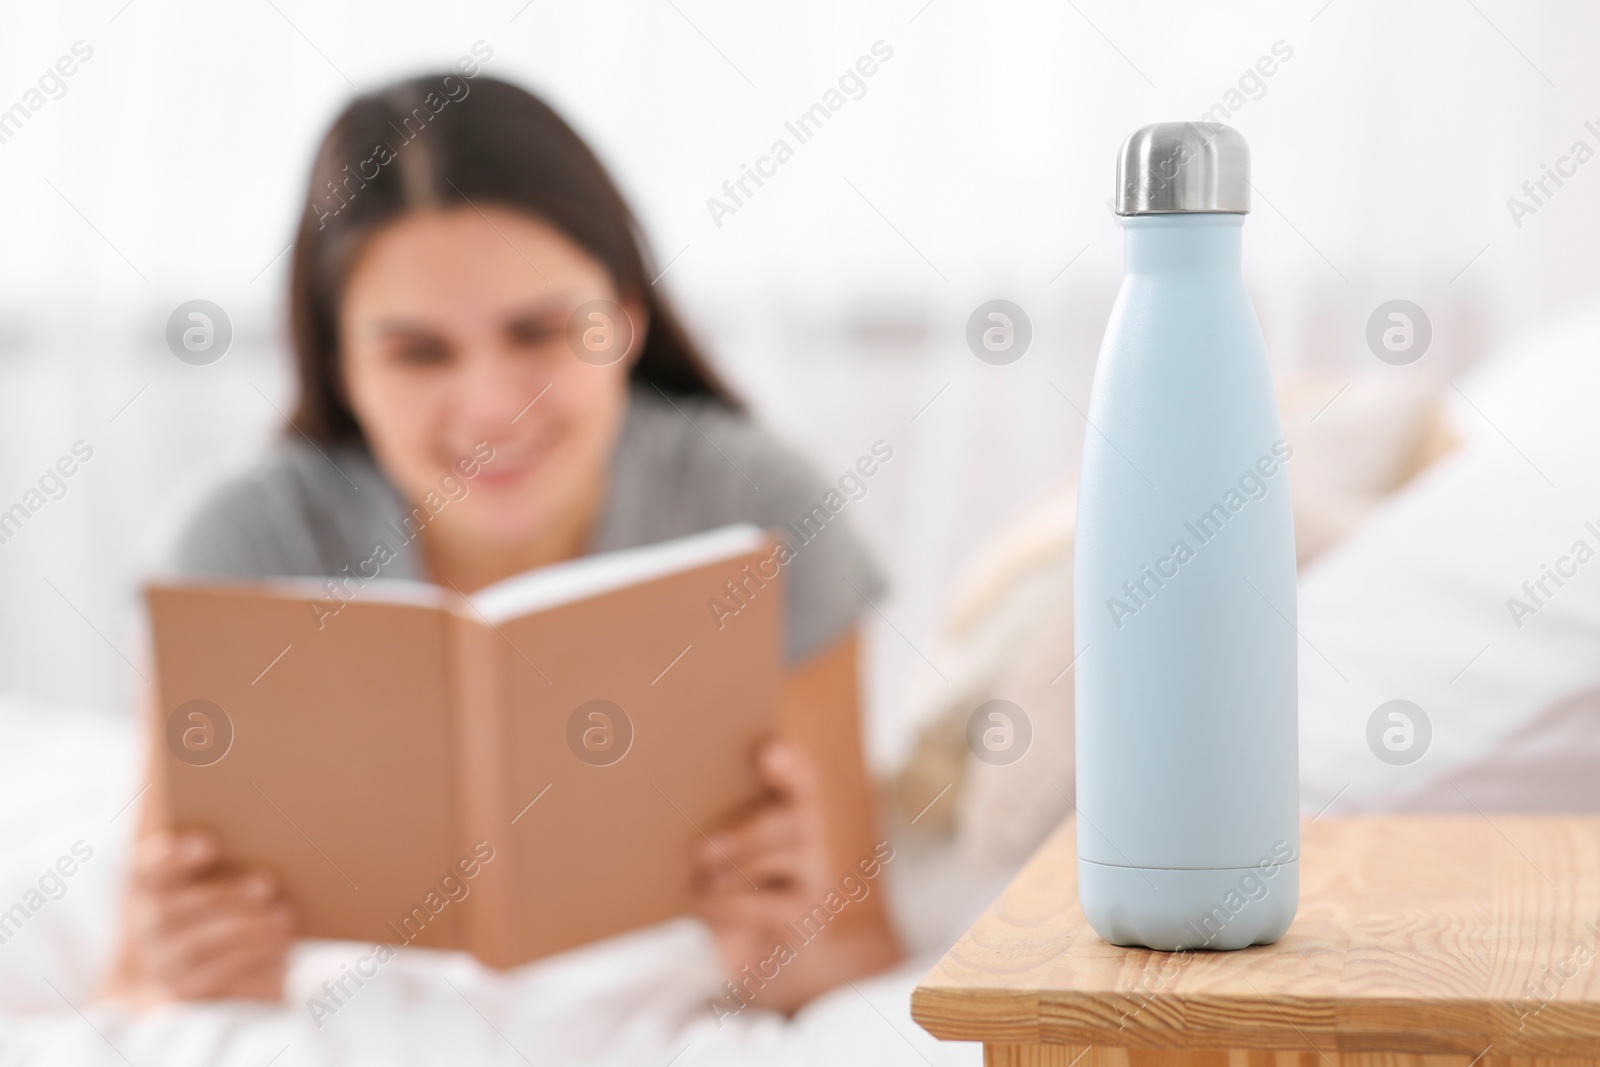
(171, 168)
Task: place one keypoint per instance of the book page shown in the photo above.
(563, 583)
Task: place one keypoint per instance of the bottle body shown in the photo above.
(1184, 601)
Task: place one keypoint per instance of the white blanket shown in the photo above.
(66, 783)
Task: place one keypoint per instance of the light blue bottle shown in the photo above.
(1188, 831)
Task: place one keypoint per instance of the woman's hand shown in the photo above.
(761, 887)
(194, 932)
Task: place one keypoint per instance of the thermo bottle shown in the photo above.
(1184, 584)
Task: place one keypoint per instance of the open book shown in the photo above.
(511, 773)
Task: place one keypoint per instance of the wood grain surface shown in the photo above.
(1097, 1056)
(1461, 938)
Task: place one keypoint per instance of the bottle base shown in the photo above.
(1172, 910)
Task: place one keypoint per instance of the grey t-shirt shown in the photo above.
(680, 466)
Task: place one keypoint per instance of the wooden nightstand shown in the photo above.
(1420, 942)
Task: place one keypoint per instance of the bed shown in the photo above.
(1413, 541)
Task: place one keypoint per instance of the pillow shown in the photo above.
(1006, 632)
(1356, 438)
(1474, 594)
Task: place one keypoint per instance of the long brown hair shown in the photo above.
(447, 140)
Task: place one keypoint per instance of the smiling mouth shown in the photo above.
(504, 470)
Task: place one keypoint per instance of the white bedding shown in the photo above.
(1418, 604)
(65, 778)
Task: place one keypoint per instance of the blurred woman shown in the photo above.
(467, 279)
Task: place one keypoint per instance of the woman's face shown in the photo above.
(454, 334)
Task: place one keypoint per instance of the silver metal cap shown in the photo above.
(1173, 167)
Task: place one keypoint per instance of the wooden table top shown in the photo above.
(1446, 935)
